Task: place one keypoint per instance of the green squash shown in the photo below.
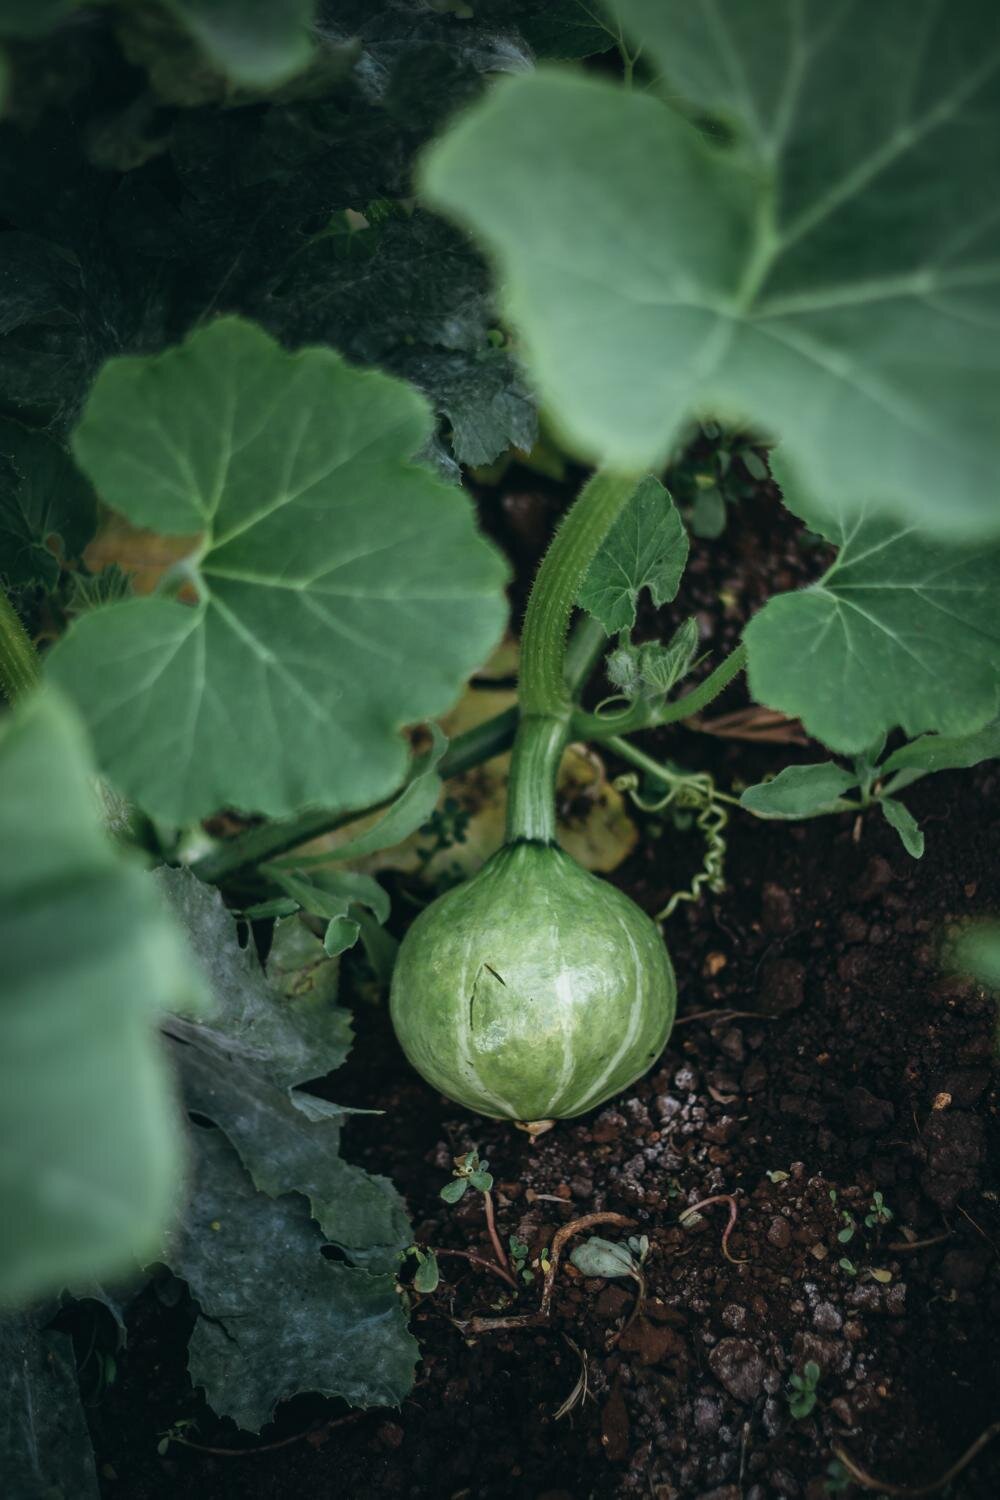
(535, 991)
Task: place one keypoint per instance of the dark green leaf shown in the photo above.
(800, 792)
(901, 631)
(905, 824)
(942, 752)
(45, 1451)
(343, 590)
(555, 28)
(787, 264)
(331, 894)
(88, 962)
(647, 547)
(267, 1035)
(278, 1318)
(42, 495)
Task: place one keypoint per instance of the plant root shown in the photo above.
(733, 1211)
(909, 1492)
(491, 1225)
(562, 1237)
(315, 1435)
(478, 1260)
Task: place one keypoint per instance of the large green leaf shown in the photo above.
(267, 1034)
(900, 631)
(255, 42)
(647, 547)
(823, 267)
(278, 1318)
(45, 1451)
(89, 1144)
(344, 591)
(42, 494)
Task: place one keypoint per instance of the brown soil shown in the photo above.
(839, 1060)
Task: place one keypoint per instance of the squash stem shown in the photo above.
(542, 688)
(544, 697)
(19, 668)
(534, 765)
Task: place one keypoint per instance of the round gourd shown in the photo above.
(534, 991)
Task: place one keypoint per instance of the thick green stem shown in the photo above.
(545, 697)
(531, 789)
(19, 669)
(542, 687)
(586, 726)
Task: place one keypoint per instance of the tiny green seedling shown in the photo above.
(801, 1392)
(878, 1215)
(609, 1259)
(427, 1275)
(467, 1172)
(837, 1478)
(846, 1233)
(519, 1260)
(847, 1266)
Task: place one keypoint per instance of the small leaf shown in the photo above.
(905, 825)
(341, 934)
(427, 1275)
(647, 547)
(600, 1257)
(481, 1180)
(800, 792)
(452, 1191)
(942, 752)
(328, 893)
(881, 1276)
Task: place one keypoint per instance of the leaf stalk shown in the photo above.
(19, 666)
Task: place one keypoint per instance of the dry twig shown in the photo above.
(913, 1492)
(559, 1242)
